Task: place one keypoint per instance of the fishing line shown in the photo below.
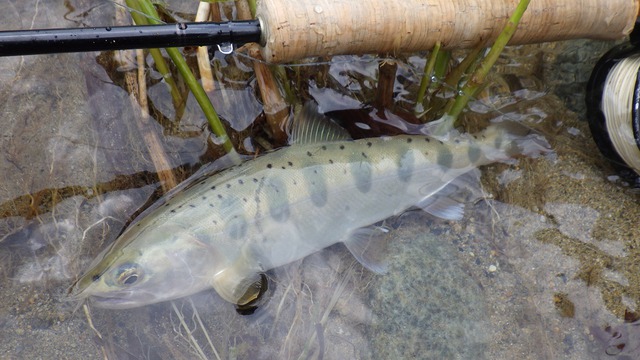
(620, 107)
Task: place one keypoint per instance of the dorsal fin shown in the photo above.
(309, 126)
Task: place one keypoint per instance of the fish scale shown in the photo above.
(225, 230)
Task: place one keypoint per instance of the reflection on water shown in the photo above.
(545, 267)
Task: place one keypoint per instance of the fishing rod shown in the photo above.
(291, 30)
(52, 41)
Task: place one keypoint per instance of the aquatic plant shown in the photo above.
(152, 17)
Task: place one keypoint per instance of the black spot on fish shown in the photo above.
(95, 277)
(315, 171)
(192, 206)
(369, 144)
(219, 196)
(361, 172)
(364, 155)
(341, 147)
(213, 187)
(284, 168)
(309, 153)
(180, 207)
(255, 180)
(475, 137)
(440, 141)
(244, 199)
(240, 181)
(409, 140)
(204, 197)
(228, 186)
(167, 204)
(445, 157)
(290, 163)
(330, 161)
(172, 210)
(203, 181)
(324, 147)
(211, 205)
(474, 153)
(427, 139)
(269, 166)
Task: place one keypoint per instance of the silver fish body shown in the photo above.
(224, 230)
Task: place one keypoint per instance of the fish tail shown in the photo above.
(507, 139)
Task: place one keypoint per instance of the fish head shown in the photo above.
(141, 272)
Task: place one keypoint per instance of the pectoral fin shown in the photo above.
(242, 283)
(237, 288)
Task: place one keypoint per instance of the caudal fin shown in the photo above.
(507, 139)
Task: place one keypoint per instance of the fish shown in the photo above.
(224, 231)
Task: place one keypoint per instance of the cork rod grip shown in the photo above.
(295, 29)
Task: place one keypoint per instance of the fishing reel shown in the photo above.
(613, 106)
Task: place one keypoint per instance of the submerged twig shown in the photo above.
(320, 325)
(204, 63)
(87, 313)
(386, 83)
(184, 325)
(137, 88)
(204, 329)
(158, 156)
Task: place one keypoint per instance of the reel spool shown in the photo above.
(613, 106)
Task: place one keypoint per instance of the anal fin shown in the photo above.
(367, 245)
(449, 201)
(443, 207)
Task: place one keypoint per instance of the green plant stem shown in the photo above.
(198, 92)
(442, 64)
(474, 84)
(425, 82)
(454, 78)
(161, 65)
(252, 6)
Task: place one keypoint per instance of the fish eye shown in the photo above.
(128, 274)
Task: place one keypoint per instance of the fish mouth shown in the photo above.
(110, 300)
(120, 300)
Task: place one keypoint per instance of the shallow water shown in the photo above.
(545, 267)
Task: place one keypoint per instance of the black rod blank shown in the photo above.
(49, 41)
